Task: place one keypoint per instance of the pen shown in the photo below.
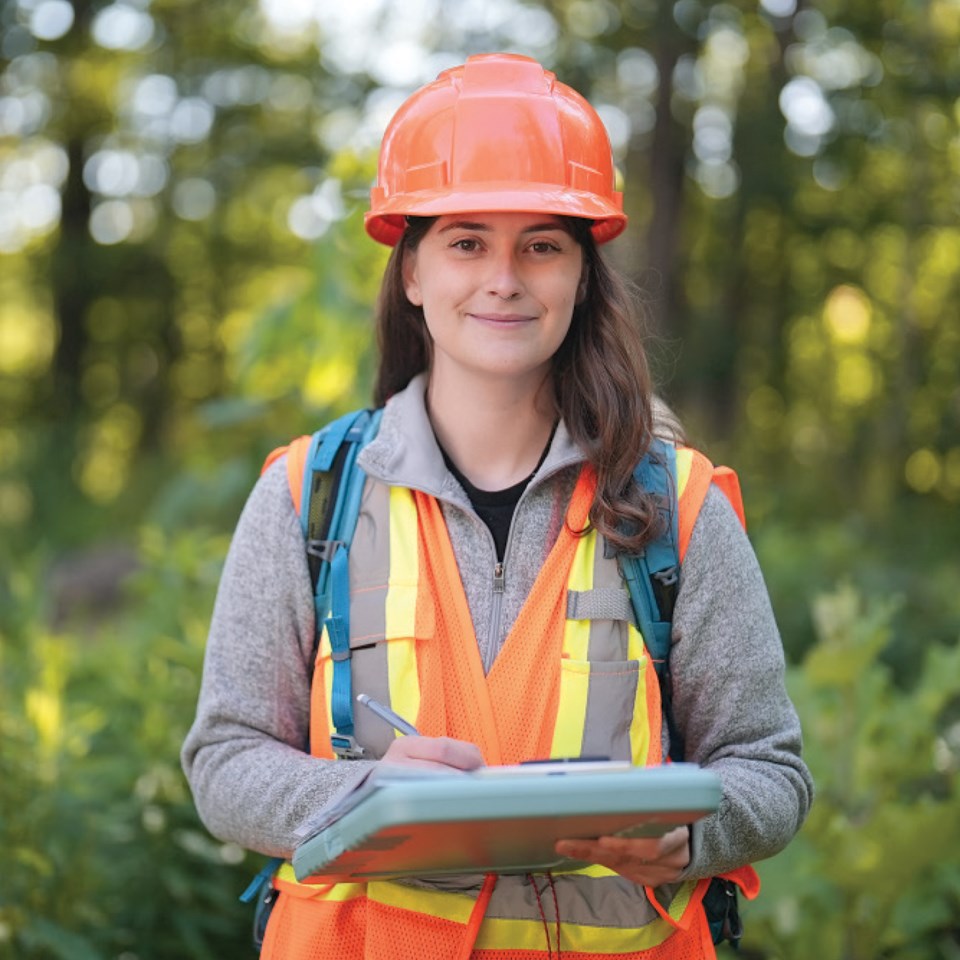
(385, 713)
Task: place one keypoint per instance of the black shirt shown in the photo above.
(495, 507)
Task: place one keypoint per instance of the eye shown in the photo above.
(466, 244)
(544, 246)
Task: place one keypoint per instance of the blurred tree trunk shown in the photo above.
(71, 283)
(70, 279)
(667, 154)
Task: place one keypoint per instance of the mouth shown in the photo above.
(503, 318)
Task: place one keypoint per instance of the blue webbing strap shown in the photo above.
(656, 570)
(323, 449)
(656, 474)
(262, 877)
(332, 589)
(357, 429)
(338, 630)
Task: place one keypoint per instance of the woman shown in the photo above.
(517, 406)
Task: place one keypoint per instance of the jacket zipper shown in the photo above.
(499, 571)
(493, 632)
(491, 648)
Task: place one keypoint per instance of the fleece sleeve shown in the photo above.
(729, 699)
(246, 756)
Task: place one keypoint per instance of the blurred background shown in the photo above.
(185, 284)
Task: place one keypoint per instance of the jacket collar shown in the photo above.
(405, 452)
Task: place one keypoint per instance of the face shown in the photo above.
(497, 292)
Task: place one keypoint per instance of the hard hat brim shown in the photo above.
(387, 223)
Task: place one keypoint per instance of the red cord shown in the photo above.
(556, 910)
(543, 916)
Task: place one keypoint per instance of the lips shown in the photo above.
(503, 317)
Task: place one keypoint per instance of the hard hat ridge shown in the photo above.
(498, 133)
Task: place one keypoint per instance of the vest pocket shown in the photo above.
(603, 710)
(388, 612)
(386, 630)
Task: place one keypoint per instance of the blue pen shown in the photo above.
(385, 713)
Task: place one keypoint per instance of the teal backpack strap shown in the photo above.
(262, 890)
(330, 505)
(653, 577)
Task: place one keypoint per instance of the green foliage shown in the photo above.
(156, 341)
(910, 553)
(103, 853)
(875, 871)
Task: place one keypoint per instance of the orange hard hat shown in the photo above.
(499, 133)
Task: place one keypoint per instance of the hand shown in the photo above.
(435, 752)
(649, 861)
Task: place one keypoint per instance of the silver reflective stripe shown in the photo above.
(369, 573)
(582, 899)
(610, 699)
(612, 691)
(601, 603)
(370, 566)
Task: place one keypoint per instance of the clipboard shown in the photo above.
(498, 820)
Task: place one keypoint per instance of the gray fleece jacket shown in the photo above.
(246, 755)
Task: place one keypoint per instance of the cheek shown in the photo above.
(566, 298)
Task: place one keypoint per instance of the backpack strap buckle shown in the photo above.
(345, 746)
(666, 585)
(324, 550)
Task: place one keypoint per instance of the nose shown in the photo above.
(504, 280)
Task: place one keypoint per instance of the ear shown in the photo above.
(411, 283)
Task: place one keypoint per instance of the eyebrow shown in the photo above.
(480, 227)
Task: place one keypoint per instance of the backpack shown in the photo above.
(326, 485)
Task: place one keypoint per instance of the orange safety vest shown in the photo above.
(563, 684)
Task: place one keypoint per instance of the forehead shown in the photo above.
(500, 222)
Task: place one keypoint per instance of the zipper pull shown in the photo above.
(498, 578)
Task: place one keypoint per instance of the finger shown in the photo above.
(671, 850)
(636, 859)
(434, 752)
(678, 841)
(633, 868)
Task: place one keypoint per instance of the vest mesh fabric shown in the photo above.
(304, 929)
(509, 713)
(361, 929)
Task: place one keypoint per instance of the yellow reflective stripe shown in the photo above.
(503, 934)
(681, 900)
(574, 670)
(330, 892)
(635, 646)
(445, 904)
(400, 614)
(684, 465)
(640, 721)
(571, 708)
(325, 663)
(496, 934)
(594, 870)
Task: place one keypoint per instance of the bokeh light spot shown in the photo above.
(847, 315)
(122, 27)
(111, 222)
(194, 199)
(51, 19)
(922, 470)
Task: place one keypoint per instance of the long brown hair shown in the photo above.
(600, 376)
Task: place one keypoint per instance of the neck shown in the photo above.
(494, 431)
